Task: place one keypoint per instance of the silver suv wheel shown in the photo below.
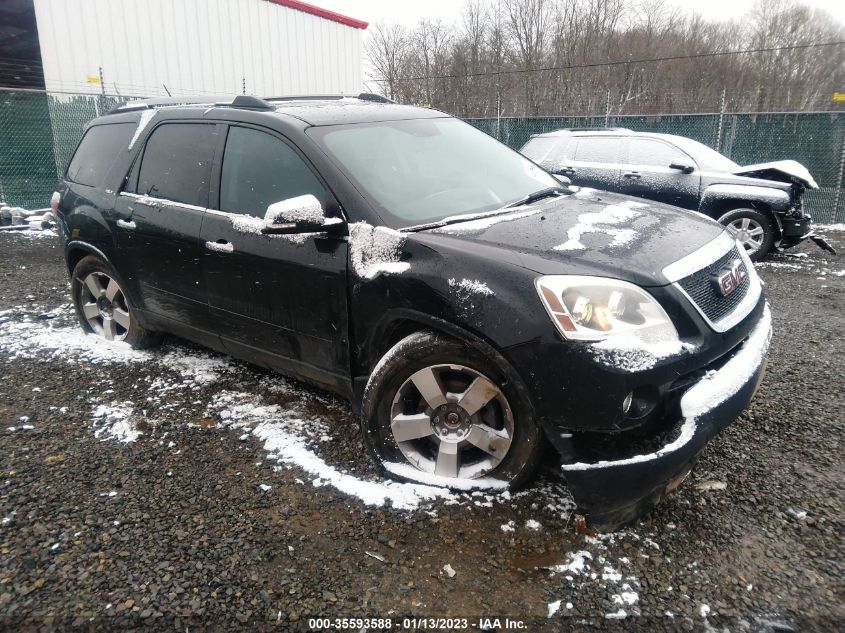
(452, 421)
(104, 306)
(749, 233)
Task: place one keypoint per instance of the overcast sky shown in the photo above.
(409, 12)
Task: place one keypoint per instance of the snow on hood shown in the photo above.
(790, 168)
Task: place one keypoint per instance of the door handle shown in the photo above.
(220, 246)
(635, 175)
(126, 224)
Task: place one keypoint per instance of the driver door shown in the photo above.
(277, 300)
(647, 173)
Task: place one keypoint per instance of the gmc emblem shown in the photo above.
(730, 277)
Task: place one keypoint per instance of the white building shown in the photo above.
(193, 47)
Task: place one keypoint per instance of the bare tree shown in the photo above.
(385, 48)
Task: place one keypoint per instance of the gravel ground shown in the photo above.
(178, 489)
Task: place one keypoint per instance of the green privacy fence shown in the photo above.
(815, 139)
(39, 131)
(38, 135)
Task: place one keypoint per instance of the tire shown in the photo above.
(745, 224)
(101, 306)
(429, 435)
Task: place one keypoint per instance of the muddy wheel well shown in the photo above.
(723, 206)
(74, 256)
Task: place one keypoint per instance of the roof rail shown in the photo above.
(364, 96)
(596, 129)
(240, 101)
(246, 102)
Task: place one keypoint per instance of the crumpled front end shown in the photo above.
(613, 492)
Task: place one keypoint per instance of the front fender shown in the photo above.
(723, 197)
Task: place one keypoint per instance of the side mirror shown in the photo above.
(303, 214)
(682, 167)
(564, 180)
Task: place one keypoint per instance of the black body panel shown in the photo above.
(297, 303)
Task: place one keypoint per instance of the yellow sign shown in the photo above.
(839, 96)
(95, 79)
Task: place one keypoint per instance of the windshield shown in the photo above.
(708, 159)
(424, 170)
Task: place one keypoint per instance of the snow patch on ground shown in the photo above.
(409, 472)
(376, 251)
(114, 421)
(598, 569)
(23, 337)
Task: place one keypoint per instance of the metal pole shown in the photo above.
(607, 110)
(839, 184)
(721, 122)
(102, 91)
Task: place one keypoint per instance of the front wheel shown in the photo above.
(753, 229)
(102, 306)
(436, 411)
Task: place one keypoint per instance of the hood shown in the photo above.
(587, 232)
(783, 170)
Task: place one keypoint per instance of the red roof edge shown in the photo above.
(321, 13)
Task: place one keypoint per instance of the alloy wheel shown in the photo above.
(104, 307)
(452, 421)
(749, 233)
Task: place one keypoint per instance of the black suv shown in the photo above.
(761, 203)
(466, 303)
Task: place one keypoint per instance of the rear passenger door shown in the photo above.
(159, 216)
(279, 300)
(596, 163)
(647, 173)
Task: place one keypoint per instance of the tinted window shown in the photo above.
(97, 151)
(176, 164)
(648, 152)
(597, 150)
(259, 169)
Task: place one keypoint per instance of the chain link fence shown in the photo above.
(815, 139)
(39, 132)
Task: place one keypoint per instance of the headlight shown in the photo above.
(595, 309)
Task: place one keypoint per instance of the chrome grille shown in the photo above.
(703, 289)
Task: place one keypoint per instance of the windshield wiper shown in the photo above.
(469, 217)
(537, 195)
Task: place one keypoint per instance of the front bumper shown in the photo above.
(611, 493)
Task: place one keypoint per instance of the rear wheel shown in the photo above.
(437, 411)
(102, 306)
(753, 229)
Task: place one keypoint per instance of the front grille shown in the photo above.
(702, 288)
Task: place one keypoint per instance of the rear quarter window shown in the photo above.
(549, 150)
(97, 152)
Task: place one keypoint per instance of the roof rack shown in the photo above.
(246, 102)
(596, 129)
(364, 96)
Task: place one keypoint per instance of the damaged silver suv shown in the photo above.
(470, 307)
